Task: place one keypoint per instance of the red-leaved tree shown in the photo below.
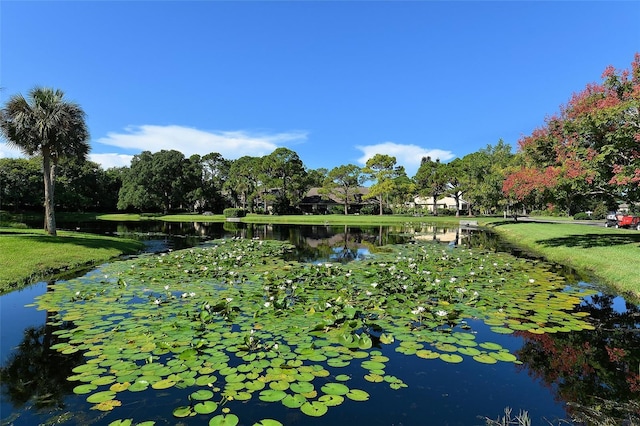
(591, 148)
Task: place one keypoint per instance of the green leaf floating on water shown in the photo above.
(293, 401)
(268, 422)
(99, 397)
(358, 395)
(335, 389)
(224, 420)
(206, 407)
(278, 327)
(271, 395)
(314, 409)
(202, 395)
(84, 389)
(182, 411)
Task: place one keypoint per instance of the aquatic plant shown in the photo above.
(233, 320)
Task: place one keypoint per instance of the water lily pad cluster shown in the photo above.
(234, 321)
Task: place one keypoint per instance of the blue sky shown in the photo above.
(334, 81)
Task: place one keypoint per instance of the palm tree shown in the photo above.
(46, 125)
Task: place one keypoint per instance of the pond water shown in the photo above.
(560, 374)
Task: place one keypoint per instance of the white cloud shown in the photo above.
(7, 152)
(230, 144)
(408, 156)
(108, 161)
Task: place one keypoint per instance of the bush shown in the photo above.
(234, 212)
(371, 209)
(600, 212)
(581, 216)
(446, 212)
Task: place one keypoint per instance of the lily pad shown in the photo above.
(205, 407)
(224, 420)
(357, 395)
(314, 409)
(335, 389)
(271, 395)
(99, 397)
(268, 422)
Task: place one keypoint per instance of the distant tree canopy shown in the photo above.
(585, 157)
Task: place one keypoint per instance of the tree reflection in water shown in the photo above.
(36, 373)
(597, 373)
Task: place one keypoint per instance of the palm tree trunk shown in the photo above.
(49, 172)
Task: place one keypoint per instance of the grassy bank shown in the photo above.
(335, 219)
(612, 256)
(27, 255)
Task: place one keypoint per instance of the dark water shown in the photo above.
(562, 375)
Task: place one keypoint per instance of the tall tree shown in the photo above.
(285, 178)
(46, 124)
(455, 172)
(159, 181)
(316, 177)
(590, 149)
(431, 180)
(342, 183)
(381, 169)
(215, 172)
(243, 181)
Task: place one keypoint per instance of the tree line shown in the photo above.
(167, 181)
(586, 157)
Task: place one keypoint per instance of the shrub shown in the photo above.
(234, 212)
(446, 212)
(371, 209)
(600, 212)
(581, 216)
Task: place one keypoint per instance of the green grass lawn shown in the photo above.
(610, 255)
(27, 255)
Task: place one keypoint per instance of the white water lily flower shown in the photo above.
(374, 285)
(192, 294)
(267, 304)
(531, 280)
(166, 287)
(229, 299)
(157, 302)
(368, 293)
(442, 313)
(183, 295)
(327, 305)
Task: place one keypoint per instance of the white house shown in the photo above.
(442, 203)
